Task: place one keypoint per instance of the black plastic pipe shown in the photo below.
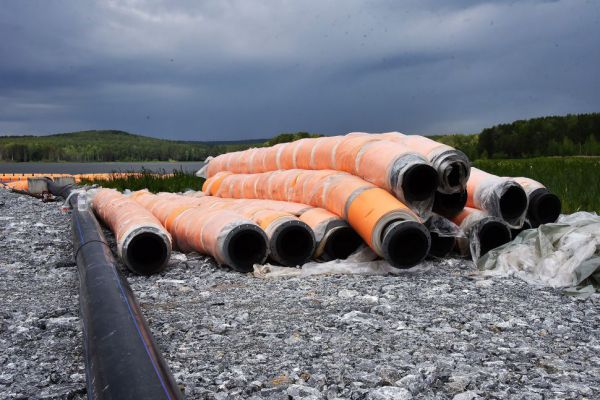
(419, 182)
(339, 243)
(405, 243)
(449, 205)
(544, 207)
(122, 360)
(292, 243)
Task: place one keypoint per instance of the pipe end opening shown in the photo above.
(544, 207)
(419, 182)
(341, 243)
(405, 243)
(147, 253)
(493, 234)
(246, 246)
(449, 205)
(441, 246)
(294, 244)
(513, 203)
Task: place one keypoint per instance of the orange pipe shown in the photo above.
(483, 232)
(334, 236)
(228, 236)
(544, 206)
(389, 165)
(389, 227)
(142, 242)
(500, 197)
(452, 165)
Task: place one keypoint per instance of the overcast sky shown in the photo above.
(229, 69)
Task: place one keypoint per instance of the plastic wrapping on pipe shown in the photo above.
(482, 232)
(142, 242)
(544, 206)
(229, 237)
(500, 197)
(389, 165)
(369, 210)
(452, 165)
(444, 234)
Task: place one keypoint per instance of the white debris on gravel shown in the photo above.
(442, 332)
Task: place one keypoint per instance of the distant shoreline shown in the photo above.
(97, 167)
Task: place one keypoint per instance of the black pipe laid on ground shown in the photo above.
(121, 358)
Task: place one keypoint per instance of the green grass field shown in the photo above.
(575, 180)
(158, 181)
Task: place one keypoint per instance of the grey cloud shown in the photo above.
(242, 69)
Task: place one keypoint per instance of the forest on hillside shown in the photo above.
(547, 136)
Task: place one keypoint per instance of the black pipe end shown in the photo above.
(456, 174)
(513, 203)
(441, 246)
(245, 246)
(514, 232)
(419, 182)
(293, 243)
(449, 205)
(342, 242)
(492, 234)
(405, 243)
(544, 207)
(147, 253)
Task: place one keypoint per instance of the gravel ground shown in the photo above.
(441, 333)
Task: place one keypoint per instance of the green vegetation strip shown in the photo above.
(574, 179)
(155, 182)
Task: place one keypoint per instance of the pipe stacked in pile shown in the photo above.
(291, 241)
(228, 236)
(452, 165)
(142, 242)
(335, 239)
(388, 226)
(387, 164)
(500, 197)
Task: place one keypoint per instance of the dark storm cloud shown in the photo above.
(242, 68)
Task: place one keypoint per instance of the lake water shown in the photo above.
(90, 168)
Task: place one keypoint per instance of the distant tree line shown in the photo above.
(547, 136)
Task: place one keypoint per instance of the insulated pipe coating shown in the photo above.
(291, 241)
(500, 197)
(452, 166)
(389, 165)
(122, 360)
(544, 206)
(389, 227)
(229, 237)
(142, 242)
(483, 232)
(334, 236)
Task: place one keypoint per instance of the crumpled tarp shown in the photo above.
(565, 254)
(362, 262)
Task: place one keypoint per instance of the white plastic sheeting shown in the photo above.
(565, 254)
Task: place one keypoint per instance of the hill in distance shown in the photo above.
(546, 136)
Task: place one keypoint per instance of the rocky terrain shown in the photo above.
(442, 332)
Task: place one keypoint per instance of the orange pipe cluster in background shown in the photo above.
(386, 164)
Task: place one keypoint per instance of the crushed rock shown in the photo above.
(441, 333)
